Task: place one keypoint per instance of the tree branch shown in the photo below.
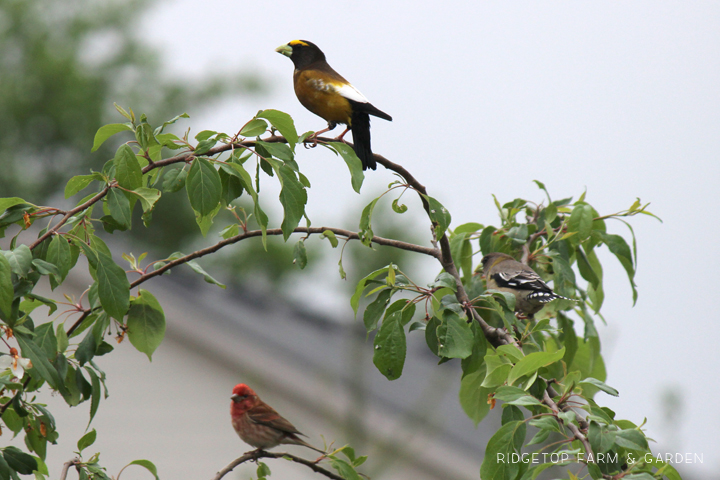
(69, 215)
(67, 465)
(433, 252)
(258, 454)
(571, 426)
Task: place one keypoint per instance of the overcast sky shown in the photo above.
(619, 98)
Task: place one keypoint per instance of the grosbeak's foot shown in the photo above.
(340, 138)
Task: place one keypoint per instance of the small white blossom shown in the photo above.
(15, 363)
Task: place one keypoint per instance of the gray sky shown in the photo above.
(619, 98)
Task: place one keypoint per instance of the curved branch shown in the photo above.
(258, 454)
(349, 235)
(67, 465)
(69, 214)
(571, 426)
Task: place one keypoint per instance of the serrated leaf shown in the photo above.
(146, 323)
(506, 441)
(390, 347)
(20, 260)
(148, 465)
(374, 311)
(283, 123)
(601, 385)
(7, 293)
(203, 186)
(19, 461)
(96, 393)
(581, 220)
(107, 131)
(254, 128)
(77, 183)
(86, 440)
(438, 215)
(113, 286)
(127, 168)
(40, 361)
(366, 233)
(300, 254)
(474, 397)
(455, 338)
(355, 299)
(174, 179)
(532, 362)
(293, 198)
(353, 162)
(119, 207)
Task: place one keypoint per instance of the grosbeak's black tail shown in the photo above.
(361, 139)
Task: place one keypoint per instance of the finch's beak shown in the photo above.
(285, 50)
(234, 397)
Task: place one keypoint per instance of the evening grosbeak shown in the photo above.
(502, 272)
(327, 94)
(258, 424)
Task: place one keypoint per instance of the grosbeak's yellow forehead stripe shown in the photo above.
(298, 42)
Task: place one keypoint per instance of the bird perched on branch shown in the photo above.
(258, 424)
(502, 272)
(327, 94)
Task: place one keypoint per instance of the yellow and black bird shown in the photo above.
(327, 94)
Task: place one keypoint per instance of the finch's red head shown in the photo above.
(243, 398)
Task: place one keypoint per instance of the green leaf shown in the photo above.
(632, 439)
(206, 222)
(107, 131)
(45, 339)
(345, 470)
(619, 247)
(127, 168)
(60, 255)
(497, 464)
(474, 397)
(438, 215)
(330, 235)
(455, 338)
(471, 227)
(86, 349)
(96, 392)
(119, 207)
(515, 396)
(174, 179)
(20, 259)
(146, 323)
(8, 202)
(374, 311)
(390, 347)
(366, 233)
(7, 294)
(19, 461)
(601, 385)
(40, 361)
(353, 162)
(203, 186)
(300, 254)
(581, 220)
(293, 198)
(246, 180)
(355, 299)
(170, 122)
(113, 287)
(532, 362)
(497, 371)
(148, 465)
(206, 276)
(254, 128)
(86, 440)
(283, 123)
(277, 150)
(78, 183)
(147, 196)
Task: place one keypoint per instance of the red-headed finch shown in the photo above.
(258, 424)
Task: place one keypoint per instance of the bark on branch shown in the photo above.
(258, 454)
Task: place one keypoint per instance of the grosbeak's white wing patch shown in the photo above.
(347, 91)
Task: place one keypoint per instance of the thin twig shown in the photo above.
(67, 465)
(349, 235)
(571, 426)
(257, 454)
